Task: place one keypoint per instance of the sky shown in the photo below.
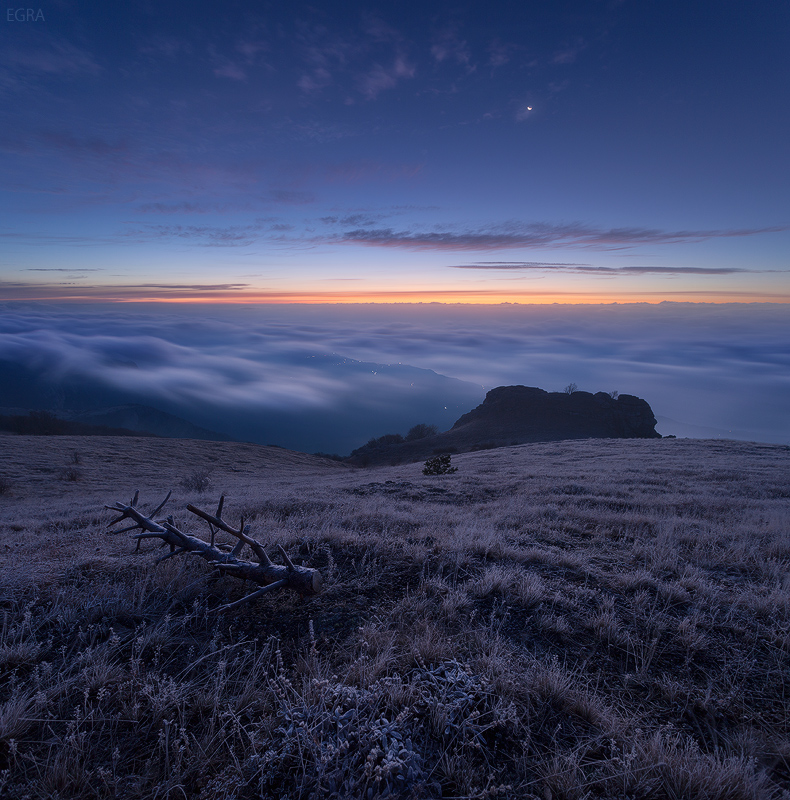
(571, 152)
(283, 219)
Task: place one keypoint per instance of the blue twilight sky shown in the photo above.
(631, 150)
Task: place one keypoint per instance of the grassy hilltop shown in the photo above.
(579, 619)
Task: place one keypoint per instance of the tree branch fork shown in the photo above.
(263, 571)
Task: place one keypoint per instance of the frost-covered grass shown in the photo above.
(563, 620)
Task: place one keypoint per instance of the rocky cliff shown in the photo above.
(528, 414)
(518, 414)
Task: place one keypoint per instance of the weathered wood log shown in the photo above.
(268, 575)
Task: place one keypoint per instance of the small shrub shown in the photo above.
(614, 394)
(76, 457)
(570, 388)
(5, 485)
(439, 465)
(198, 481)
(72, 474)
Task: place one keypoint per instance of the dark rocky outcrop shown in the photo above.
(534, 415)
(518, 414)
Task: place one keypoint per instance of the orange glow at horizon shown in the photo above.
(446, 296)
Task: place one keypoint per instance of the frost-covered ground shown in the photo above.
(573, 619)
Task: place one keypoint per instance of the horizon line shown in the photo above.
(204, 301)
(403, 297)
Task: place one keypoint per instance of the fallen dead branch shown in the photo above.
(263, 571)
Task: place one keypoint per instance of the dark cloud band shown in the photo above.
(516, 235)
(589, 268)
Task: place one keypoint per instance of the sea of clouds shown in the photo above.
(329, 377)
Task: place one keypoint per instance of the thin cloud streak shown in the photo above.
(62, 269)
(517, 235)
(202, 235)
(589, 268)
(72, 290)
(511, 235)
(52, 56)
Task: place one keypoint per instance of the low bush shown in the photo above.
(439, 465)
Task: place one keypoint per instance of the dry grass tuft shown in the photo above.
(198, 481)
(71, 474)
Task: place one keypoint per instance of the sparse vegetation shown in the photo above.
(579, 620)
(375, 446)
(72, 474)
(198, 481)
(570, 388)
(439, 465)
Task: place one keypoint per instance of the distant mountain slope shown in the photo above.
(42, 423)
(318, 402)
(518, 414)
(128, 420)
(145, 419)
